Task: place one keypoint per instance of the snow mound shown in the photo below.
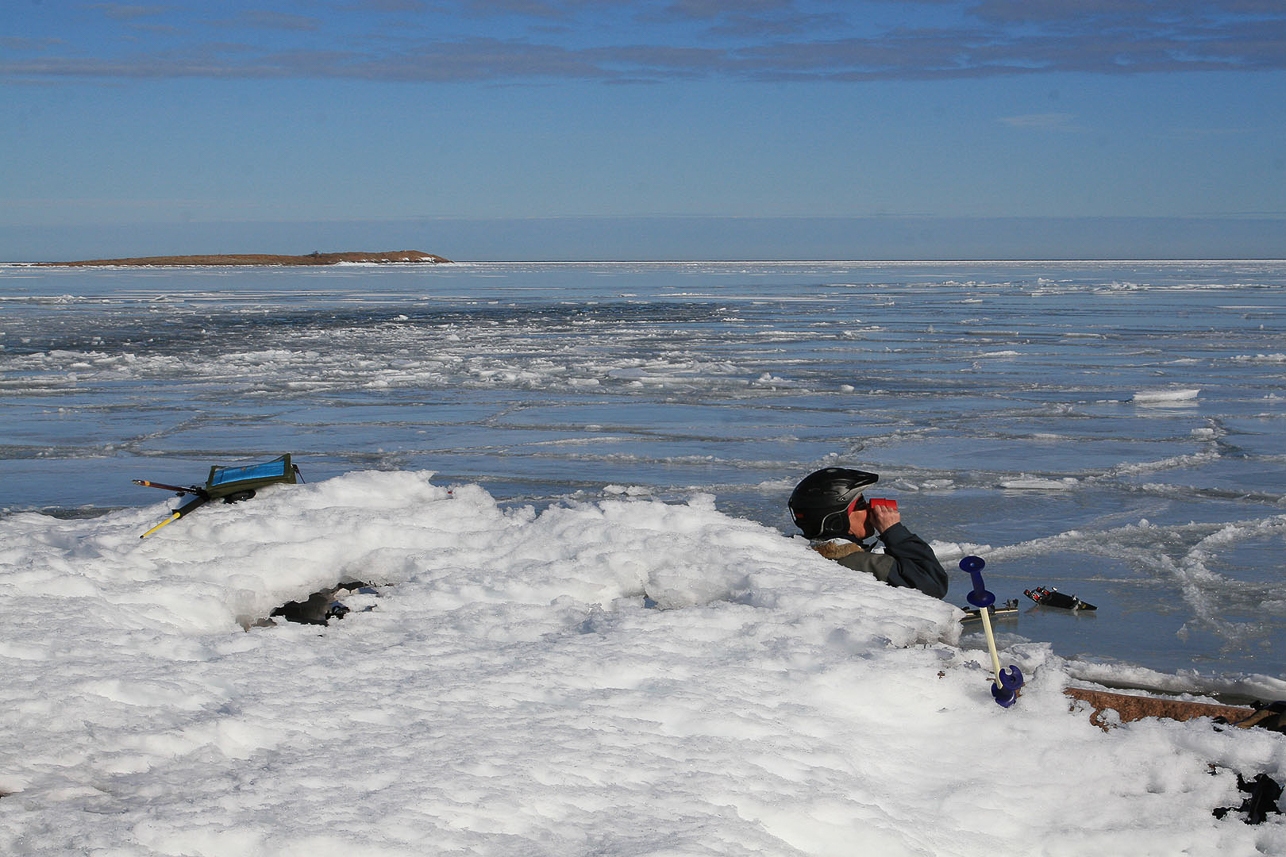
(624, 677)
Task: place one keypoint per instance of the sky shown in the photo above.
(667, 129)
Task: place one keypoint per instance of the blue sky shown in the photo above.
(629, 129)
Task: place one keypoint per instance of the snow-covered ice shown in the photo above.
(1165, 397)
(618, 677)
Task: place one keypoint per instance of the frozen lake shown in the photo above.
(1117, 430)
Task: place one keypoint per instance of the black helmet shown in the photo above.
(819, 503)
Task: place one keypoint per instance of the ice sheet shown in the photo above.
(1002, 403)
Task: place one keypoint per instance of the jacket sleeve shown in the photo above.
(917, 564)
(907, 561)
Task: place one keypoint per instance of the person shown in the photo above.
(829, 504)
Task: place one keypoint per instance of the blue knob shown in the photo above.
(1006, 692)
(980, 597)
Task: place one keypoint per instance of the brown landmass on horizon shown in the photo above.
(260, 259)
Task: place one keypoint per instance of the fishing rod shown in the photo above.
(191, 489)
(200, 500)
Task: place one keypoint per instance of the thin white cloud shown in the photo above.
(1042, 121)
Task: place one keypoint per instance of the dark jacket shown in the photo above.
(907, 561)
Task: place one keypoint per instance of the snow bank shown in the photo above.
(622, 678)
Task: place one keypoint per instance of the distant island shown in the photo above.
(258, 259)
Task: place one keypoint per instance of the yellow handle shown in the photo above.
(991, 642)
(175, 517)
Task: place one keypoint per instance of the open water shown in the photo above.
(1116, 430)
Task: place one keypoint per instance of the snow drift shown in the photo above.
(624, 677)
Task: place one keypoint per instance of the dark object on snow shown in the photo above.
(322, 606)
(319, 609)
(1053, 598)
(229, 484)
(239, 483)
(1264, 793)
(1271, 715)
(1008, 610)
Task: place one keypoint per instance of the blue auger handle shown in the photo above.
(1005, 687)
(1007, 691)
(980, 597)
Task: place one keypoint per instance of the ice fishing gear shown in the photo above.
(1008, 610)
(191, 489)
(229, 484)
(192, 505)
(1050, 597)
(1007, 682)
